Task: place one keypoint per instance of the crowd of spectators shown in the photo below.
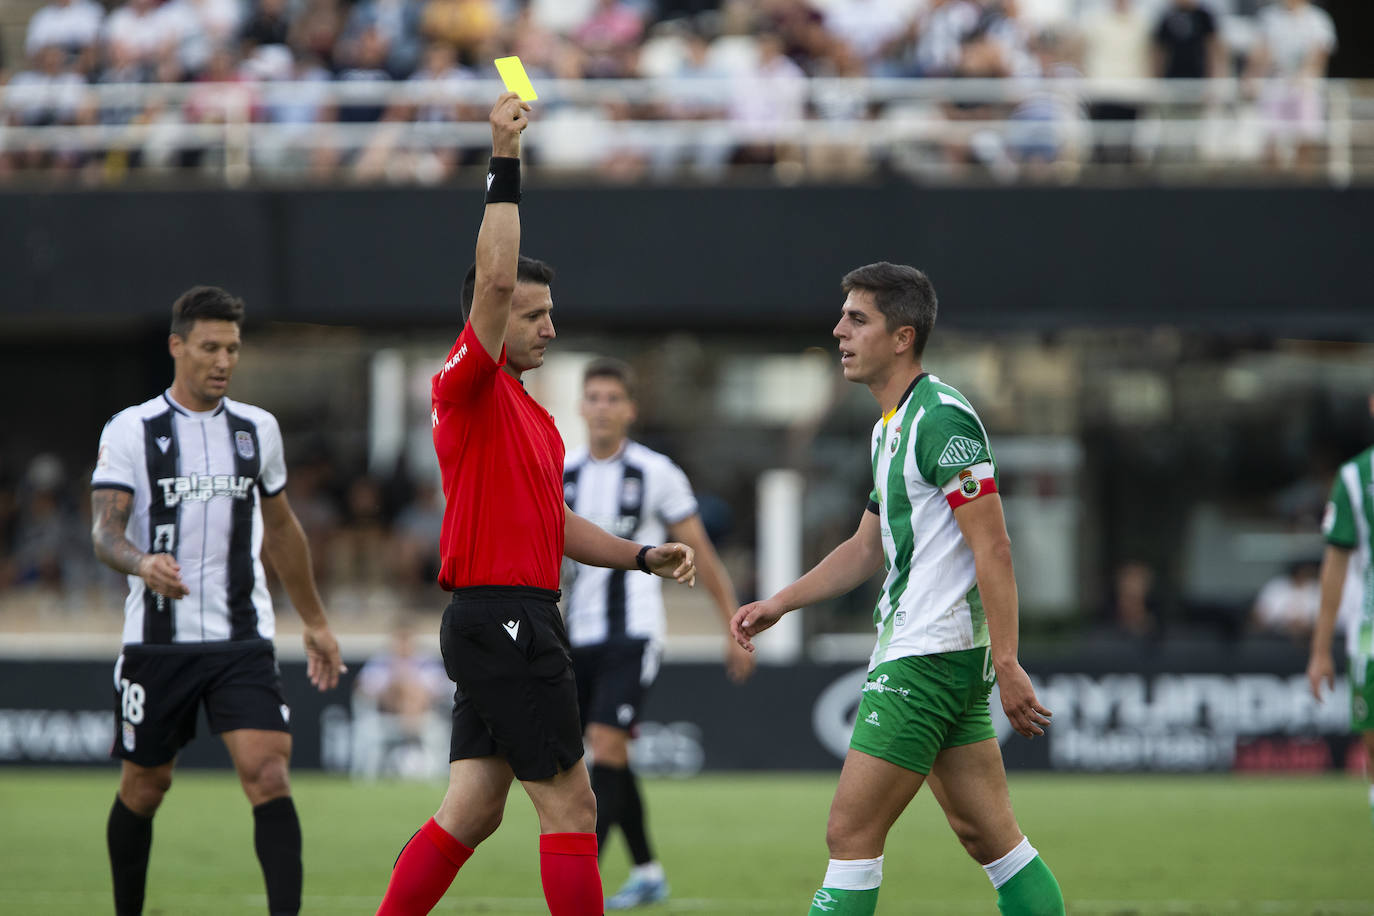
(374, 542)
(764, 50)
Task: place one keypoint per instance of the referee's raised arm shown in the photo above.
(498, 241)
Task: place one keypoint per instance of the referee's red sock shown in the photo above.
(572, 882)
(423, 872)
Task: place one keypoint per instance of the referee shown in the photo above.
(506, 529)
(187, 490)
(615, 619)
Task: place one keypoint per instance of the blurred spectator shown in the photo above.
(1187, 42)
(1295, 43)
(1287, 604)
(146, 35)
(399, 701)
(1134, 611)
(873, 29)
(981, 56)
(72, 25)
(943, 29)
(316, 31)
(416, 537)
(202, 27)
(360, 547)
(365, 63)
(390, 24)
(1116, 46)
(269, 24)
(562, 16)
(1043, 126)
(46, 533)
(801, 27)
(766, 99)
(48, 94)
(609, 37)
(464, 25)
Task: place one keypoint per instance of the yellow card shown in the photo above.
(513, 75)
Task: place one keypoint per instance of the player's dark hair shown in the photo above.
(607, 367)
(527, 270)
(204, 303)
(903, 294)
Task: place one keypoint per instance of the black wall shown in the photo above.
(1270, 260)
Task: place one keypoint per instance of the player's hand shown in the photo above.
(753, 619)
(1321, 670)
(162, 573)
(324, 663)
(1023, 710)
(507, 121)
(739, 662)
(673, 561)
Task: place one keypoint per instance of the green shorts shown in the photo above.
(1361, 701)
(912, 708)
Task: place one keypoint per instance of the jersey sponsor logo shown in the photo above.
(454, 360)
(199, 488)
(873, 719)
(630, 489)
(512, 628)
(899, 619)
(164, 442)
(243, 444)
(969, 484)
(960, 450)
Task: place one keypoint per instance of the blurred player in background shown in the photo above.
(1347, 578)
(946, 618)
(615, 619)
(506, 530)
(188, 489)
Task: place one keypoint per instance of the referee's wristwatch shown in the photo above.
(639, 558)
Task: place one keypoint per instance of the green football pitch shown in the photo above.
(732, 844)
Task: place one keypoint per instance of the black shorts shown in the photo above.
(613, 678)
(506, 649)
(159, 689)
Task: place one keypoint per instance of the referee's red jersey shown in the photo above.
(501, 458)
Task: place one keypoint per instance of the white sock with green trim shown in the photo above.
(851, 888)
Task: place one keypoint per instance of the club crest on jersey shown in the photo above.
(960, 450)
(629, 491)
(243, 444)
(969, 484)
(892, 446)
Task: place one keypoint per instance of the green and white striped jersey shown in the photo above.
(1349, 523)
(929, 455)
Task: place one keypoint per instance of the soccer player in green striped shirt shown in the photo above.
(946, 619)
(1349, 529)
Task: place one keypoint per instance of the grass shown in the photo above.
(733, 844)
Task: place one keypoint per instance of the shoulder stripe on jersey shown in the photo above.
(243, 614)
(161, 453)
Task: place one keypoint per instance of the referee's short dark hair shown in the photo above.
(607, 367)
(209, 303)
(528, 270)
(903, 294)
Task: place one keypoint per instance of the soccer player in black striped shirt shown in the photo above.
(188, 488)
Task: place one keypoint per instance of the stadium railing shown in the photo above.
(933, 128)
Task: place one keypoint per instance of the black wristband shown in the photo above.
(503, 180)
(639, 558)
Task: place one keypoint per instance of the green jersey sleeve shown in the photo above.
(1338, 522)
(948, 440)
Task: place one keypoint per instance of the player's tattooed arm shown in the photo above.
(110, 510)
(160, 571)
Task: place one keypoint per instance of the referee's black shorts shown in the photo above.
(506, 649)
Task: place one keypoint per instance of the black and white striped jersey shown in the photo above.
(635, 494)
(196, 480)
